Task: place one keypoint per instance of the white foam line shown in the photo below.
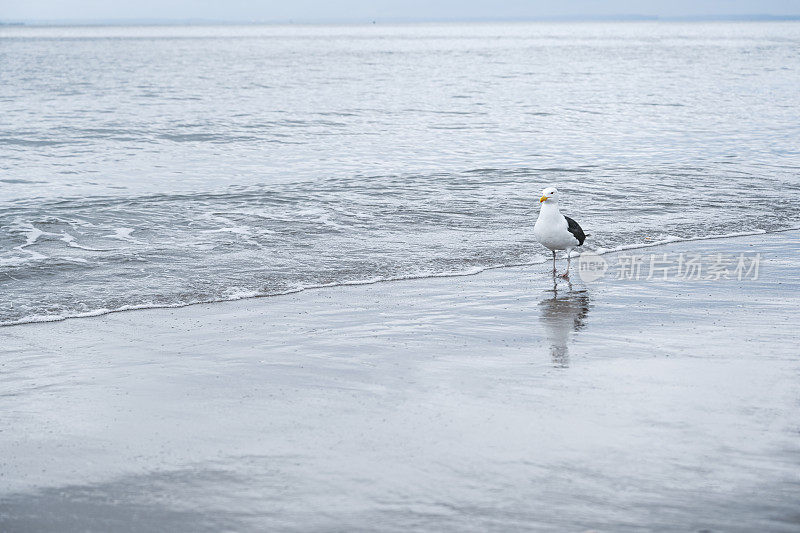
(70, 240)
(672, 240)
(35, 319)
(124, 234)
(31, 236)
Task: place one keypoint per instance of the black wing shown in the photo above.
(576, 230)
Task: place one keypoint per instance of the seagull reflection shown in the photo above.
(562, 314)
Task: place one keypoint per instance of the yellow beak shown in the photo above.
(542, 199)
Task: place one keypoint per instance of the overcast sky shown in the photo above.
(354, 10)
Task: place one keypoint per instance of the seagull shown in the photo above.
(554, 230)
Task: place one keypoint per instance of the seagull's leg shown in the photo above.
(565, 275)
(554, 263)
(569, 257)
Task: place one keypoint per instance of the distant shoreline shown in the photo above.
(391, 21)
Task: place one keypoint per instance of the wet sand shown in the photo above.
(478, 403)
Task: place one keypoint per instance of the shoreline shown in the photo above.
(474, 272)
(370, 21)
(470, 403)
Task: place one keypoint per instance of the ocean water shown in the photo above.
(162, 166)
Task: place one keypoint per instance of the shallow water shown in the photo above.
(148, 166)
(481, 403)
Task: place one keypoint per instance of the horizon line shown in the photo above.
(197, 21)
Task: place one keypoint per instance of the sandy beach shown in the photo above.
(474, 403)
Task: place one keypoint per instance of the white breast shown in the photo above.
(551, 230)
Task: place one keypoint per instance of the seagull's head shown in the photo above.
(550, 195)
